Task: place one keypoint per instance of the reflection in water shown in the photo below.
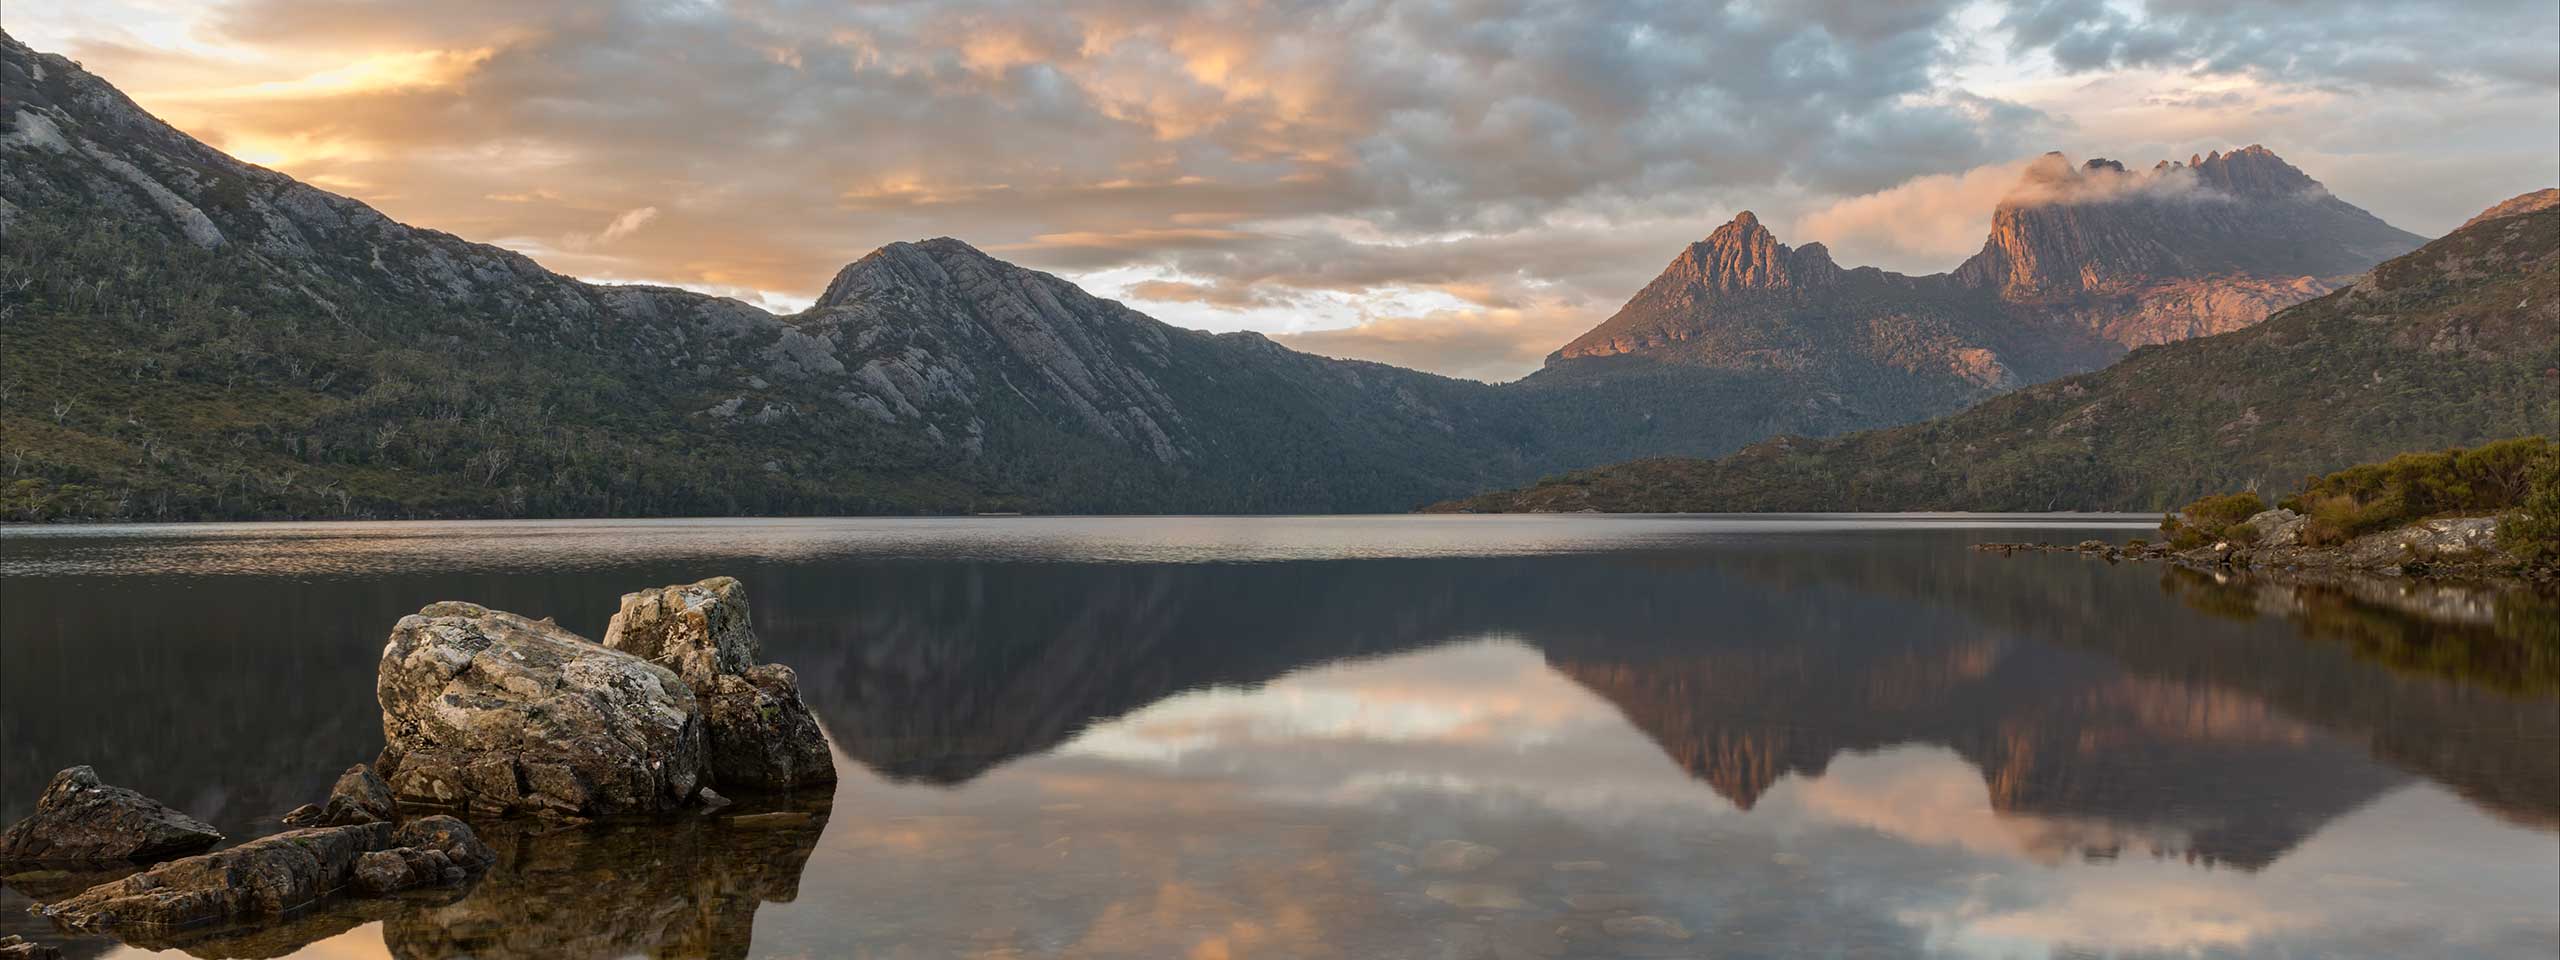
(1620, 739)
(2500, 635)
(685, 888)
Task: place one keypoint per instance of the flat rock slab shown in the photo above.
(81, 819)
(273, 876)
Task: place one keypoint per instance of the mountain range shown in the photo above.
(2456, 343)
(195, 337)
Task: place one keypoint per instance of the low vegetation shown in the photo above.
(2368, 498)
(2212, 518)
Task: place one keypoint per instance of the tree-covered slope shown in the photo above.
(2452, 344)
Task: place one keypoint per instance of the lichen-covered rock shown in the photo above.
(699, 630)
(499, 713)
(358, 797)
(261, 878)
(79, 818)
(761, 736)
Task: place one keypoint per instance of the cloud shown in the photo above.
(1922, 225)
(627, 224)
(1533, 156)
(1484, 344)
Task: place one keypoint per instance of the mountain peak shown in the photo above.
(1743, 255)
(910, 265)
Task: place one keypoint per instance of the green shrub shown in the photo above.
(2210, 518)
(2414, 486)
(2533, 531)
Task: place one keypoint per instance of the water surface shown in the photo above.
(1381, 737)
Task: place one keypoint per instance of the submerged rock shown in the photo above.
(79, 818)
(272, 876)
(499, 713)
(15, 947)
(761, 735)
(358, 797)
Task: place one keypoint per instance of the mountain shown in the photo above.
(2452, 344)
(1743, 337)
(196, 337)
(193, 337)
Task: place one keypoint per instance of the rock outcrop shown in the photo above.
(502, 714)
(79, 818)
(273, 876)
(358, 797)
(761, 735)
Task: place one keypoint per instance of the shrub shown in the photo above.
(2414, 486)
(2533, 531)
(2210, 518)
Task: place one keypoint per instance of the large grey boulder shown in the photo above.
(276, 875)
(761, 735)
(499, 713)
(79, 818)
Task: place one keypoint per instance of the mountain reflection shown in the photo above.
(1084, 753)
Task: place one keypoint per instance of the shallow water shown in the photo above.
(1380, 737)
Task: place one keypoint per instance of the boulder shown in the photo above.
(698, 630)
(273, 876)
(358, 797)
(498, 713)
(2276, 528)
(761, 736)
(79, 818)
(426, 852)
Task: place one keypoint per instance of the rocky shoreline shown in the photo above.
(2451, 548)
(489, 719)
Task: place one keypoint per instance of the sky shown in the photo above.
(1455, 185)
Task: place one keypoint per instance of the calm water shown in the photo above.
(1444, 737)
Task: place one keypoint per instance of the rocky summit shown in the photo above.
(2447, 345)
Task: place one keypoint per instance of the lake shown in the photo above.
(1381, 737)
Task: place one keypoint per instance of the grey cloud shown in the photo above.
(2348, 43)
